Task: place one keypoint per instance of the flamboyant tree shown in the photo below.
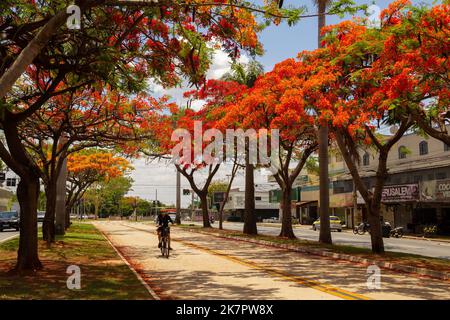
(28, 27)
(121, 43)
(417, 46)
(246, 74)
(218, 96)
(279, 100)
(191, 162)
(72, 122)
(365, 90)
(191, 136)
(87, 167)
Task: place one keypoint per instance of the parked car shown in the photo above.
(335, 224)
(173, 216)
(234, 219)
(272, 220)
(9, 220)
(40, 216)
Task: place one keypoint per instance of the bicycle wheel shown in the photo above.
(167, 249)
(163, 243)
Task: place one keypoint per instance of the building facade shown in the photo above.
(416, 193)
(264, 209)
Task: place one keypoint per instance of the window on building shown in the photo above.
(423, 148)
(258, 198)
(366, 160)
(402, 152)
(446, 147)
(417, 179)
(11, 182)
(441, 175)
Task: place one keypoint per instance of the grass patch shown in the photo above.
(103, 274)
(394, 257)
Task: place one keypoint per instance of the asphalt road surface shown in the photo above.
(420, 247)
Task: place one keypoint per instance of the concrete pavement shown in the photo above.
(426, 248)
(207, 267)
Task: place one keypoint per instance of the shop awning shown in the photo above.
(304, 203)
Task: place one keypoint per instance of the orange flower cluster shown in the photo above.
(98, 164)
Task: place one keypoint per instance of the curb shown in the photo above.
(427, 239)
(138, 276)
(346, 257)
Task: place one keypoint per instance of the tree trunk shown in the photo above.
(324, 193)
(27, 196)
(376, 235)
(67, 220)
(249, 213)
(374, 206)
(204, 205)
(178, 199)
(227, 194)
(48, 226)
(286, 222)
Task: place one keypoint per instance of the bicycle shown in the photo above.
(165, 242)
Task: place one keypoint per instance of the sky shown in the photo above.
(279, 42)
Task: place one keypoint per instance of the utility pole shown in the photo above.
(178, 200)
(135, 209)
(60, 214)
(324, 192)
(192, 206)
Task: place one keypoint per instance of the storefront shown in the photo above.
(400, 203)
(434, 207)
(307, 211)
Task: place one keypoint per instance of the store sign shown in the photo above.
(428, 190)
(341, 200)
(400, 193)
(442, 190)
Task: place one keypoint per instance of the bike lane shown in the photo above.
(207, 267)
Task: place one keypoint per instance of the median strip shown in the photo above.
(102, 274)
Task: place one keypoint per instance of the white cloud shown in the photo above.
(158, 178)
(221, 64)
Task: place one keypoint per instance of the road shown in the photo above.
(208, 267)
(8, 234)
(11, 233)
(421, 247)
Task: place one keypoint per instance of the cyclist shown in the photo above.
(163, 222)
